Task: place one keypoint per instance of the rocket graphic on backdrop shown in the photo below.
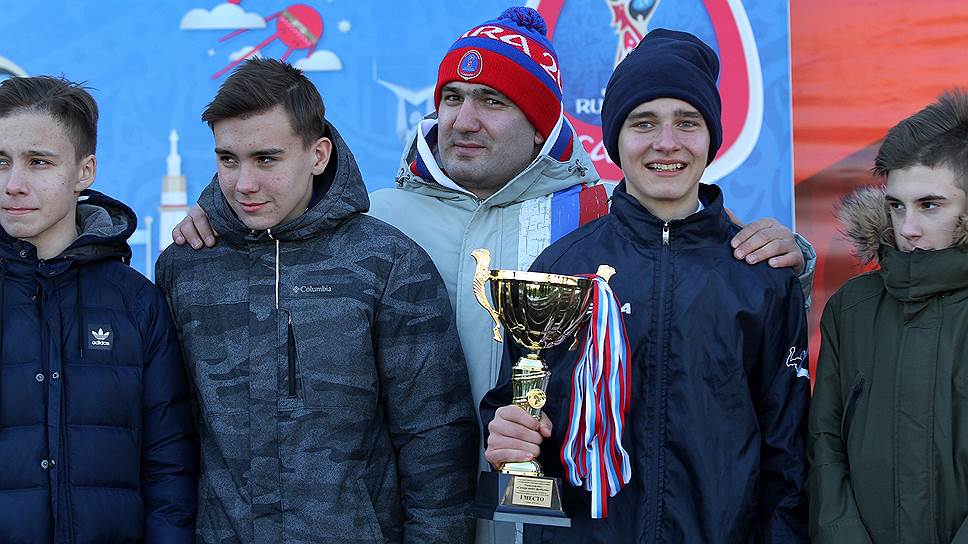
(174, 199)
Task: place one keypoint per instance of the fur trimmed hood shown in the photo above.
(864, 222)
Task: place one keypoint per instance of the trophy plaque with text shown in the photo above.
(538, 311)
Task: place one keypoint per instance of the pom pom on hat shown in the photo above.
(525, 17)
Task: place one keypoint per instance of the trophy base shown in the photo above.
(535, 500)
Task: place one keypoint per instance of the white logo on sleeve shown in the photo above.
(627, 308)
(100, 337)
(796, 361)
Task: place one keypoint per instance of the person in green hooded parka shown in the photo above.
(888, 425)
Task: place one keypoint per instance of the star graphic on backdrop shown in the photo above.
(344, 26)
(211, 52)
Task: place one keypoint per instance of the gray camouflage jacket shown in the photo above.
(331, 394)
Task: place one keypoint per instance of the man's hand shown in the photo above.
(767, 240)
(515, 436)
(194, 229)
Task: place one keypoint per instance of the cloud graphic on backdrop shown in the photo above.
(320, 61)
(222, 17)
(246, 52)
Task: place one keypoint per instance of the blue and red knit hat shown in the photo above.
(512, 55)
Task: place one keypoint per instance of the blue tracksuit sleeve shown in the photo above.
(780, 386)
(169, 454)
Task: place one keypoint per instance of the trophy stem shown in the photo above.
(529, 381)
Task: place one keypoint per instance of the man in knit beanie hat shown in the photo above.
(714, 430)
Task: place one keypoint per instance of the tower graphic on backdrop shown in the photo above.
(174, 199)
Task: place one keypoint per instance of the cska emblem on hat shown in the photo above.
(470, 65)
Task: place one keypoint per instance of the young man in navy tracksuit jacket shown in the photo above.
(719, 386)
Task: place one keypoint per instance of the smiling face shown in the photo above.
(663, 146)
(40, 180)
(926, 205)
(264, 170)
(484, 139)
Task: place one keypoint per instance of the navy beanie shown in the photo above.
(665, 64)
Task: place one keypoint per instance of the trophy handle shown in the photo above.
(483, 258)
(606, 272)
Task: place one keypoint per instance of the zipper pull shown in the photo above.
(665, 234)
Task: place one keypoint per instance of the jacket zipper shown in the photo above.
(290, 334)
(659, 377)
(851, 408)
(41, 298)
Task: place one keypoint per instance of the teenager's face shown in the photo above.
(925, 206)
(264, 170)
(40, 179)
(663, 146)
(484, 139)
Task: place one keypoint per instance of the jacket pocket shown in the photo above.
(856, 391)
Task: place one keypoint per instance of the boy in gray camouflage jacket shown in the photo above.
(331, 393)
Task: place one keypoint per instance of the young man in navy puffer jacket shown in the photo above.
(96, 438)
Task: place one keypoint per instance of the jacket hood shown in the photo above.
(344, 196)
(419, 171)
(866, 225)
(104, 226)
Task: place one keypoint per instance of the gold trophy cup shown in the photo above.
(538, 311)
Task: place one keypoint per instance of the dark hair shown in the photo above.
(935, 136)
(258, 85)
(67, 102)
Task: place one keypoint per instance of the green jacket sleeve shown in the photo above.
(834, 517)
(961, 537)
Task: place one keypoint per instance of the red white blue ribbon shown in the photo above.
(601, 392)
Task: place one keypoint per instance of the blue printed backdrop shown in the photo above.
(151, 65)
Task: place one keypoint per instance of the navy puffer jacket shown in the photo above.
(96, 443)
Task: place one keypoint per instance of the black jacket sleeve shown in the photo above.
(169, 457)
(780, 385)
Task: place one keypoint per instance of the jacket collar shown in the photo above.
(919, 275)
(709, 226)
(345, 196)
(104, 226)
(561, 163)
